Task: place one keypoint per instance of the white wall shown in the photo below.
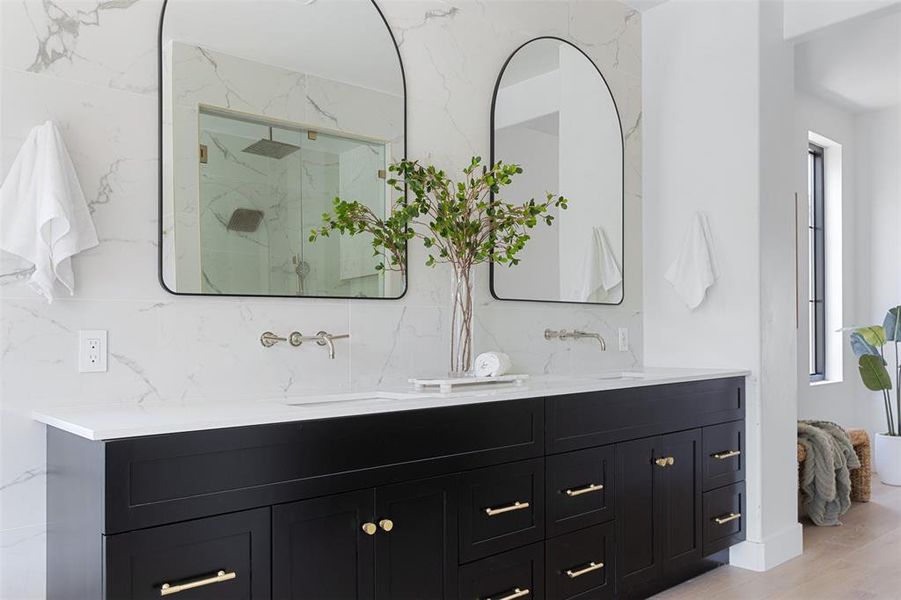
(841, 398)
(879, 191)
(91, 65)
(715, 76)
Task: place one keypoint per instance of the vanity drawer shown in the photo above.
(517, 574)
(579, 421)
(580, 564)
(225, 557)
(724, 461)
(724, 522)
(579, 489)
(164, 478)
(501, 508)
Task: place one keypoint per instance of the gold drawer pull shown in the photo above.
(727, 454)
(726, 518)
(221, 576)
(516, 593)
(505, 509)
(592, 566)
(665, 461)
(594, 487)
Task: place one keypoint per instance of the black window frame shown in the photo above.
(817, 261)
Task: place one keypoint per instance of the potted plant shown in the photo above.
(461, 223)
(868, 344)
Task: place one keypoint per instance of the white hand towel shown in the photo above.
(694, 270)
(43, 214)
(601, 273)
(492, 364)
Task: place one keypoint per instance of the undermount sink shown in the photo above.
(328, 399)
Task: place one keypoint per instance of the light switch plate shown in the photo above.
(92, 351)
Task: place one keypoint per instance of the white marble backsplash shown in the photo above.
(92, 67)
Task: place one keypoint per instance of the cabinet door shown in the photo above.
(416, 545)
(222, 558)
(320, 550)
(637, 499)
(679, 506)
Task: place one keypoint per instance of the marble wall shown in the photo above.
(91, 66)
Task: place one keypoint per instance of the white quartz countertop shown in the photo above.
(116, 421)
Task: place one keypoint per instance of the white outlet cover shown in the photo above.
(623, 339)
(92, 352)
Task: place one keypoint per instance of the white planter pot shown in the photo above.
(888, 458)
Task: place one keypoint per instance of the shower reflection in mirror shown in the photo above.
(263, 187)
(261, 130)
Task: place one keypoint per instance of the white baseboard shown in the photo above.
(771, 552)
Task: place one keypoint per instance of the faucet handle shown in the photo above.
(269, 339)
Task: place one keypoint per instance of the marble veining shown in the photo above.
(91, 65)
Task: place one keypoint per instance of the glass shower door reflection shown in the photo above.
(263, 187)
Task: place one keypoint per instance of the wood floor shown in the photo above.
(860, 560)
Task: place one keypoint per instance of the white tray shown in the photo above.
(447, 385)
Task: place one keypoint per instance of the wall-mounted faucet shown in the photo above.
(575, 334)
(323, 338)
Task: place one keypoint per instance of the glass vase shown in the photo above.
(461, 324)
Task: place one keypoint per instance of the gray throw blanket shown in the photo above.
(825, 479)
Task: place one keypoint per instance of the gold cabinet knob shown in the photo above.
(369, 528)
(661, 462)
(670, 460)
(386, 524)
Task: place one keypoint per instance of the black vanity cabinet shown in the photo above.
(658, 510)
(397, 541)
(613, 494)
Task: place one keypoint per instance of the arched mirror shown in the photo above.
(554, 115)
(269, 110)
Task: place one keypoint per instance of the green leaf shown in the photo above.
(860, 346)
(874, 335)
(892, 324)
(873, 373)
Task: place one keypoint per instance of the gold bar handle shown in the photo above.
(726, 518)
(505, 509)
(168, 589)
(727, 454)
(594, 487)
(592, 566)
(516, 593)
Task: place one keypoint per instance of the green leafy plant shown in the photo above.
(458, 222)
(868, 345)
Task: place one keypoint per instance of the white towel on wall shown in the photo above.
(694, 270)
(601, 273)
(43, 214)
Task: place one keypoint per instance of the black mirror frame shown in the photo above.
(619, 120)
(160, 257)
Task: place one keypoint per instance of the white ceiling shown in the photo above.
(343, 40)
(857, 66)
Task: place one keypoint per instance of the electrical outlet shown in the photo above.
(92, 351)
(623, 339)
